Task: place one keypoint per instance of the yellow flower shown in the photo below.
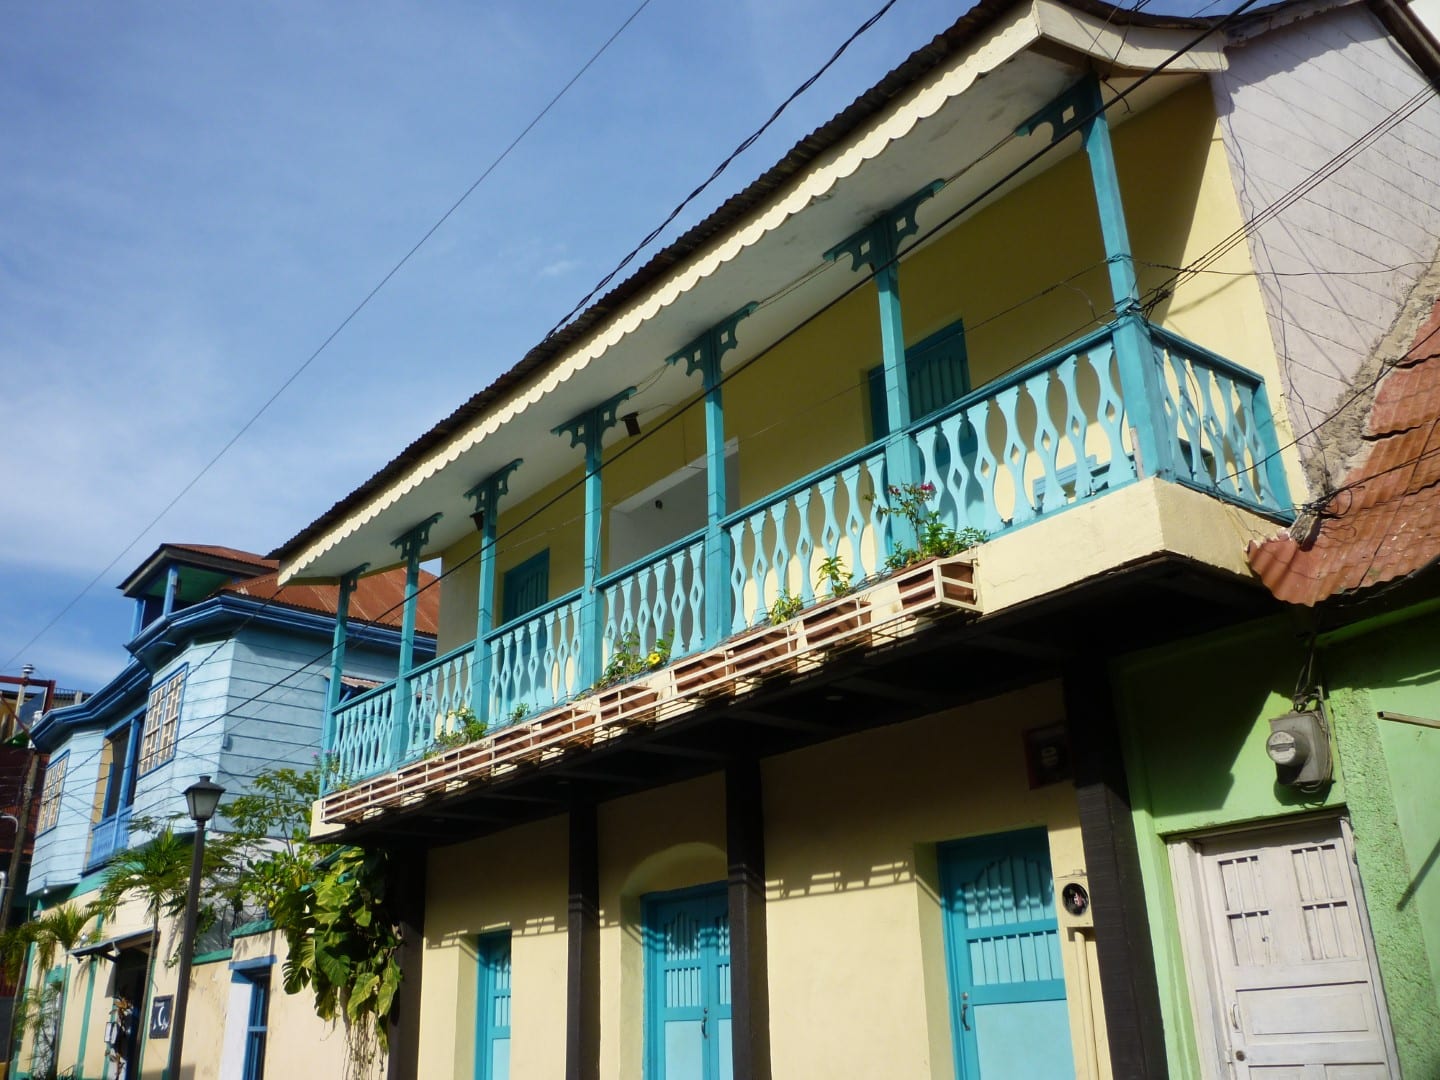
(654, 659)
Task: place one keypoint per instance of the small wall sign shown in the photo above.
(160, 1012)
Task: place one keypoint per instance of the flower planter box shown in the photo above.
(633, 702)
(764, 653)
(704, 675)
(948, 583)
(836, 624)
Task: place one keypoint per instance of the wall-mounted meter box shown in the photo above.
(1072, 901)
(1299, 744)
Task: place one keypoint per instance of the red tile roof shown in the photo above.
(376, 599)
(1383, 523)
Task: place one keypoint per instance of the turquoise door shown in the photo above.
(1007, 987)
(492, 1013)
(687, 985)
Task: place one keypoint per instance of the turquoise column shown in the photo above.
(1080, 108)
(172, 589)
(487, 495)
(703, 355)
(586, 429)
(877, 246)
(410, 544)
(348, 582)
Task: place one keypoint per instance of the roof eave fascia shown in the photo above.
(117, 695)
(227, 611)
(1042, 24)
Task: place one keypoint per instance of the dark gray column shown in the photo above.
(405, 891)
(1123, 948)
(749, 969)
(582, 1000)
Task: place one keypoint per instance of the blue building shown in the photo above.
(229, 676)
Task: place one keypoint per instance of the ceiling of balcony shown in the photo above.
(941, 130)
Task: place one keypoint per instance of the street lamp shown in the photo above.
(201, 798)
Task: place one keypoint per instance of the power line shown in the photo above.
(364, 302)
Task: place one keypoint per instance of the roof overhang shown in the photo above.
(111, 948)
(936, 128)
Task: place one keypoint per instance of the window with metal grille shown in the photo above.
(50, 793)
(162, 717)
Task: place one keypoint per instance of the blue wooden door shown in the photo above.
(687, 985)
(492, 1029)
(1007, 986)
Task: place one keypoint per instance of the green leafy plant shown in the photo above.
(933, 537)
(626, 660)
(463, 726)
(518, 713)
(785, 608)
(329, 903)
(832, 573)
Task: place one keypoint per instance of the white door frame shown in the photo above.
(1202, 976)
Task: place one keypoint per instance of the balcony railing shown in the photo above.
(1053, 434)
(110, 835)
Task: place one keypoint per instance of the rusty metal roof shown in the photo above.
(377, 599)
(1383, 522)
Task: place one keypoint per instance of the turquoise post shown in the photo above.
(703, 355)
(586, 429)
(337, 660)
(1080, 108)
(877, 246)
(410, 544)
(172, 589)
(487, 495)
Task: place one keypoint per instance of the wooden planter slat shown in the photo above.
(888, 610)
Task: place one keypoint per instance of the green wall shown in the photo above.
(1195, 723)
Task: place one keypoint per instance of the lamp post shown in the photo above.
(201, 798)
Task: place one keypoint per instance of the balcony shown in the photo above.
(1056, 433)
(110, 835)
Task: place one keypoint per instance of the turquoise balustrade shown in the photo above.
(779, 543)
(660, 597)
(438, 691)
(1220, 426)
(361, 733)
(535, 660)
(1052, 434)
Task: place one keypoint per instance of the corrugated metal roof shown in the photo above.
(1383, 523)
(227, 553)
(377, 599)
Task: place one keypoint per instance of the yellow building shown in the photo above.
(787, 583)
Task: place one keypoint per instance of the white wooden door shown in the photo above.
(1292, 979)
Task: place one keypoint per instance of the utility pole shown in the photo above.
(27, 794)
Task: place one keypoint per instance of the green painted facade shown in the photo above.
(1195, 717)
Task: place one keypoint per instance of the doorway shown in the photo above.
(1277, 944)
(687, 985)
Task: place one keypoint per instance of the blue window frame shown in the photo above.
(939, 373)
(1002, 945)
(492, 1013)
(526, 587)
(49, 814)
(687, 985)
(257, 1024)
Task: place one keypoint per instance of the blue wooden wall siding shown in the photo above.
(492, 1008)
(687, 985)
(1002, 942)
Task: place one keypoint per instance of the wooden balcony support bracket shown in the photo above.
(487, 494)
(877, 246)
(411, 543)
(587, 429)
(1081, 108)
(704, 355)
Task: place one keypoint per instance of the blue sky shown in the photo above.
(196, 195)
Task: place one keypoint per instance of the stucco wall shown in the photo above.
(1336, 266)
(1391, 769)
(1196, 761)
(854, 919)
